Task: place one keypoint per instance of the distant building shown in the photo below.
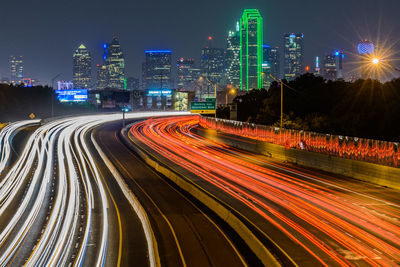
(293, 55)
(185, 76)
(82, 68)
(132, 84)
(330, 68)
(270, 64)
(102, 77)
(115, 63)
(65, 85)
(251, 52)
(156, 70)
(317, 70)
(232, 56)
(17, 69)
(333, 65)
(213, 64)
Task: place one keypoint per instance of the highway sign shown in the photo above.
(210, 99)
(202, 107)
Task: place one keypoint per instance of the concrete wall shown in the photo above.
(369, 172)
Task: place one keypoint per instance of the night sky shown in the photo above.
(46, 32)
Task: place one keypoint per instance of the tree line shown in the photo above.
(364, 108)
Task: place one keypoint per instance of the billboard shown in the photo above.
(65, 96)
(159, 92)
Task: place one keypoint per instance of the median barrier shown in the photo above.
(361, 170)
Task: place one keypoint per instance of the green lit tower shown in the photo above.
(251, 50)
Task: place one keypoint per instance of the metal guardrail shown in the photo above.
(374, 151)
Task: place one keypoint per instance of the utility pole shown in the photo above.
(52, 93)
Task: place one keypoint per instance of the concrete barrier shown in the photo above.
(152, 247)
(223, 210)
(365, 171)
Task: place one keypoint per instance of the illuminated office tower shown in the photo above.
(232, 57)
(115, 63)
(17, 69)
(251, 50)
(270, 64)
(102, 77)
(213, 64)
(317, 67)
(184, 73)
(293, 55)
(156, 70)
(82, 68)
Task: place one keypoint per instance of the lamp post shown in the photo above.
(215, 93)
(232, 92)
(280, 81)
(52, 93)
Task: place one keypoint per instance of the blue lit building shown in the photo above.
(270, 64)
(115, 65)
(156, 70)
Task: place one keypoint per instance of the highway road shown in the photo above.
(306, 217)
(186, 234)
(56, 208)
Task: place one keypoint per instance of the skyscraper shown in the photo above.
(333, 65)
(251, 50)
(115, 63)
(233, 57)
(82, 68)
(17, 69)
(185, 75)
(293, 55)
(270, 64)
(213, 64)
(330, 67)
(317, 67)
(102, 77)
(156, 70)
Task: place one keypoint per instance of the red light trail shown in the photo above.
(332, 223)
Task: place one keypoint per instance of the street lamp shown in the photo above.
(215, 93)
(280, 81)
(232, 92)
(52, 93)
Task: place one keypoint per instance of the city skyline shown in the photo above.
(44, 61)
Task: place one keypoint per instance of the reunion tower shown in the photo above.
(365, 50)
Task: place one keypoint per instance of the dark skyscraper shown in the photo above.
(333, 65)
(251, 50)
(293, 55)
(233, 57)
(213, 64)
(17, 69)
(115, 62)
(156, 70)
(330, 67)
(271, 64)
(132, 83)
(82, 68)
(185, 76)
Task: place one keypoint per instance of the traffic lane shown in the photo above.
(340, 182)
(185, 234)
(127, 242)
(166, 135)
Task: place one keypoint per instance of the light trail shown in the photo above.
(57, 187)
(330, 224)
(6, 135)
